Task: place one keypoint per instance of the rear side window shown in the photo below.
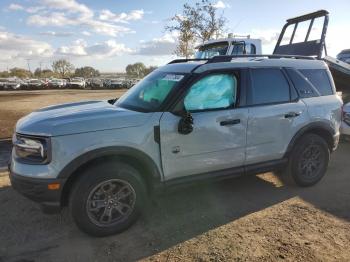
(268, 86)
(319, 79)
(302, 84)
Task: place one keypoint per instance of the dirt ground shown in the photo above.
(253, 218)
(16, 104)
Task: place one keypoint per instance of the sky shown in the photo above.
(108, 35)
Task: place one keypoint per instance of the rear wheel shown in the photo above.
(308, 161)
(107, 199)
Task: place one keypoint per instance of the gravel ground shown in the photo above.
(253, 218)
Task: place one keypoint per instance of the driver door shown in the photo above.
(218, 139)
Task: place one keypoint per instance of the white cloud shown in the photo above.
(62, 20)
(104, 28)
(221, 5)
(34, 9)
(65, 13)
(31, 9)
(107, 15)
(16, 47)
(57, 34)
(86, 33)
(164, 45)
(105, 49)
(70, 6)
(15, 7)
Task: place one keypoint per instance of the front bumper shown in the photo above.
(37, 189)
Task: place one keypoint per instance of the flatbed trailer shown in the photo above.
(313, 47)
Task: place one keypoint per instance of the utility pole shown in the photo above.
(40, 62)
(28, 60)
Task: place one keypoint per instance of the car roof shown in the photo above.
(345, 51)
(243, 62)
(181, 67)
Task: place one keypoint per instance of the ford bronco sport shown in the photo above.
(186, 121)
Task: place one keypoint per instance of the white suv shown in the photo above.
(186, 121)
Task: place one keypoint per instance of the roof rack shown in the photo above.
(186, 60)
(309, 16)
(228, 58)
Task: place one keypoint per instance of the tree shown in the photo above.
(86, 72)
(149, 70)
(186, 38)
(208, 24)
(37, 72)
(4, 74)
(197, 23)
(62, 67)
(137, 69)
(20, 72)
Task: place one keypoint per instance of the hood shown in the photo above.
(79, 117)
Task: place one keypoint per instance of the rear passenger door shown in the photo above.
(275, 114)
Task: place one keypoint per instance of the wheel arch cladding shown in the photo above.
(322, 129)
(136, 158)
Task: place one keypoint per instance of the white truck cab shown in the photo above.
(233, 45)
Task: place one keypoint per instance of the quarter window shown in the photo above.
(212, 92)
(319, 79)
(268, 86)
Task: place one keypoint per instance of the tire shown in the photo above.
(308, 161)
(107, 199)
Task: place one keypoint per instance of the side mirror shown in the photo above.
(185, 124)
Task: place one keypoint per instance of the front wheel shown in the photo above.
(308, 161)
(107, 199)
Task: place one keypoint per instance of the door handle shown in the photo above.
(230, 122)
(292, 114)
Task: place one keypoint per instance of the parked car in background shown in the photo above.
(13, 84)
(116, 84)
(3, 82)
(344, 56)
(57, 83)
(77, 82)
(345, 127)
(96, 83)
(35, 84)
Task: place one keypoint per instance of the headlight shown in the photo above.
(32, 150)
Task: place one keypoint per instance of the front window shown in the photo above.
(216, 91)
(211, 50)
(149, 94)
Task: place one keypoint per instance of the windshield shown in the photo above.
(149, 94)
(210, 50)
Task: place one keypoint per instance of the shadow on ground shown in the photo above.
(178, 216)
(5, 151)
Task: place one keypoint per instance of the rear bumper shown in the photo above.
(37, 190)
